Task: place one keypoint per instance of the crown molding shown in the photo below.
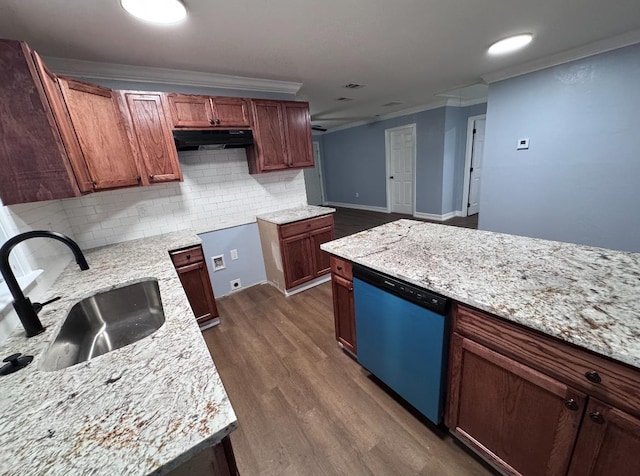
(444, 102)
(620, 41)
(146, 74)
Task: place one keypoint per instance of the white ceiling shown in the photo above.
(404, 51)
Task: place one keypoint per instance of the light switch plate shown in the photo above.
(523, 144)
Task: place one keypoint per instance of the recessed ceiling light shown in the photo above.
(510, 44)
(156, 11)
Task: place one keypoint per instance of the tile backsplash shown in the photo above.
(217, 192)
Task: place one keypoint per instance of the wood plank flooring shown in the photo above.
(349, 221)
(305, 407)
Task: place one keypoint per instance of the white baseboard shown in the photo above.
(308, 285)
(356, 206)
(433, 216)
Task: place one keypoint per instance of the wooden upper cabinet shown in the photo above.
(297, 123)
(269, 151)
(203, 112)
(98, 121)
(282, 132)
(230, 112)
(522, 420)
(189, 110)
(152, 136)
(35, 165)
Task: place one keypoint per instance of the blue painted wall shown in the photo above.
(354, 160)
(579, 179)
(249, 267)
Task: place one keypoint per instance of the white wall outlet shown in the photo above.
(523, 144)
(357, 194)
(234, 254)
(218, 263)
(235, 284)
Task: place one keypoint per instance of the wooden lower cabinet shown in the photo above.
(523, 421)
(608, 443)
(344, 312)
(194, 276)
(533, 405)
(292, 251)
(218, 460)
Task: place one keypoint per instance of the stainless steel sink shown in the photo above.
(104, 322)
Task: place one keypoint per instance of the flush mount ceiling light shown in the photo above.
(510, 44)
(156, 11)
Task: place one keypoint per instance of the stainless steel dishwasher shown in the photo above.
(401, 334)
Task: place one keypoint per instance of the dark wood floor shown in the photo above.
(304, 406)
(349, 221)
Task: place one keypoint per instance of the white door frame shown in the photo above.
(319, 165)
(467, 162)
(387, 147)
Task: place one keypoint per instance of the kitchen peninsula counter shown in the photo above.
(146, 407)
(583, 295)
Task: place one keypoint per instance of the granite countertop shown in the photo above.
(143, 408)
(583, 295)
(290, 215)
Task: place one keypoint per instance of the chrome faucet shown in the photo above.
(27, 312)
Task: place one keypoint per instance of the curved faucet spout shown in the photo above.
(25, 310)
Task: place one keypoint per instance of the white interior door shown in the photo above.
(313, 179)
(477, 152)
(401, 149)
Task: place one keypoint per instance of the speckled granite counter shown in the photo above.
(144, 408)
(290, 215)
(583, 295)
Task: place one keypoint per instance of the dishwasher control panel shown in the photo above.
(410, 292)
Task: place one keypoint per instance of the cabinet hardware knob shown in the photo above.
(596, 417)
(217, 121)
(339, 268)
(571, 404)
(139, 179)
(94, 183)
(593, 376)
(212, 122)
(188, 256)
(150, 177)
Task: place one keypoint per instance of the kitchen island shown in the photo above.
(544, 336)
(145, 408)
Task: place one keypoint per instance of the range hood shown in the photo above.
(213, 139)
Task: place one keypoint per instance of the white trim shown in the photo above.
(467, 162)
(308, 285)
(451, 102)
(147, 74)
(387, 160)
(602, 46)
(436, 217)
(356, 206)
(319, 165)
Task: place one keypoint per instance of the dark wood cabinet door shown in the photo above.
(99, 124)
(608, 443)
(269, 151)
(190, 110)
(153, 137)
(230, 112)
(343, 312)
(297, 260)
(34, 161)
(195, 281)
(298, 133)
(321, 259)
(521, 420)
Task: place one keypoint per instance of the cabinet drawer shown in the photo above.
(618, 383)
(304, 226)
(341, 268)
(187, 256)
